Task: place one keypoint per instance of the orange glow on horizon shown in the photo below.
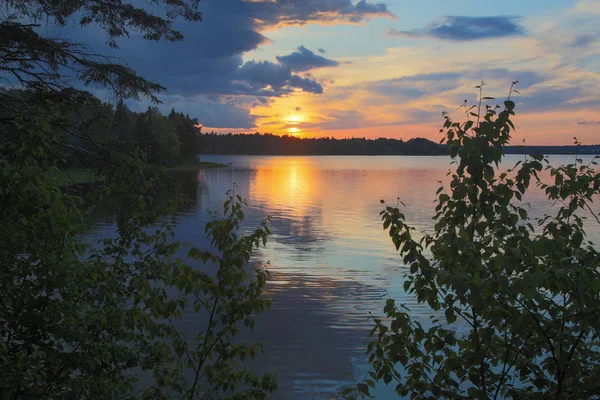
(543, 128)
(398, 88)
(296, 119)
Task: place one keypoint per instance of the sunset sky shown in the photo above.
(345, 68)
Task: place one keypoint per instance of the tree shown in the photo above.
(519, 298)
(188, 133)
(34, 60)
(156, 136)
(83, 322)
(124, 126)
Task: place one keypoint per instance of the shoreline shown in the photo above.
(85, 175)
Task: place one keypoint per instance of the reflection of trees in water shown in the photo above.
(115, 209)
(190, 182)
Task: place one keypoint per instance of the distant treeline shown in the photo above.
(583, 149)
(269, 144)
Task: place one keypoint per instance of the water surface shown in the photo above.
(331, 262)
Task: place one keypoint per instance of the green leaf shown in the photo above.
(363, 388)
(450, 316)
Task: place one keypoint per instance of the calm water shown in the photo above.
(330, 260)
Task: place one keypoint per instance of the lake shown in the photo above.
(331, 262)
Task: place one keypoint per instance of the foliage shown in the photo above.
(124, 127)
(188, 134)
(520, 303)
(48, 69)
(77, 176)
(31, 58)
(156, 137)
(89, 127)
(80, 320)
(86, 321)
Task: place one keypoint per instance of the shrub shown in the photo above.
(520, 297)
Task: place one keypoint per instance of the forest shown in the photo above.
(269, 144)
(91, 123)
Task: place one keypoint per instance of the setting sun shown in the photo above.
(295, 119)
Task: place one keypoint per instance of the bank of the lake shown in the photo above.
(195, 166)
(79, 176)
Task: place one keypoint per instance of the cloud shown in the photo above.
(561, 98)
(588, 122)
(526, 78)
(294, 12)
(337, 119)
(416, 86)
(434, 76)
(264, 78)
(305, 60)
(420, 98)
(583, 40)
(213, 111)
(461, 28)
(413, 87)
(587, 7)
(306, 84)
(209, 63)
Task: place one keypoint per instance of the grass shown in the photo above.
(78, 176)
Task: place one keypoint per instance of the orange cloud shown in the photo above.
(401, 92)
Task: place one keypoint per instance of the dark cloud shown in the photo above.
(587, 122)
(265, 78)
(306, 84)
(294, 12)
(305, 60)
(209, 62)
(583, 40)
(461, 28)
(362, 8)
(213, 47)
(212, 111)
